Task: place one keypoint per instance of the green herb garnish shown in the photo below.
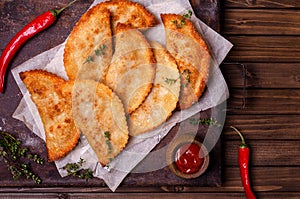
(170, 81)
(183, 18)
(100, 50)
(107, 140)
(89, 59)
(187, 15)
(186, 76)
(18, 158)
(76, 170)
(204, 121)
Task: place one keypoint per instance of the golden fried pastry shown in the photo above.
(132, 69)
(88, 49)
(163, 98)
(100, 116)
(191, 54)
(129, 13)
(54, 105)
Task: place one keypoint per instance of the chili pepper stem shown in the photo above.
(240, 134)
(58, 11)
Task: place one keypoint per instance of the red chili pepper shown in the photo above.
(37, 25)
(243, 159)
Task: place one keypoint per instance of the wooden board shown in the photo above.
(10, 14)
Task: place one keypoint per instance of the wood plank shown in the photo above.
(265, 101)
(268, 49)
(183, 195)
(262, 75)
(261, 4)
(265, 178)
(261, 21)
(263, 127)
(291, 195)
(271, 180)
(270, 153)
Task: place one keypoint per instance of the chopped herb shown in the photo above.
(182, 21)
(100, 50)
(186, 76)
(170, 81)
(187, 15)
(107, 140)
(76, 170)
(18, 158)
(89, 59)
(205, 121)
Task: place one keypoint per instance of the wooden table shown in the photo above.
(266, 38)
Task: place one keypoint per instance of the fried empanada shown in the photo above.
(163, 98)
(88, 49)
(129, 13)
(191, 54)
(132, 69)
(54, 105)
(100, 116)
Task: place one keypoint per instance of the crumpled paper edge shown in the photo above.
(113, 177)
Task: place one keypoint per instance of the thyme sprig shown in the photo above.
(18, 158)
(107, 140)
(76, 170)
(205, 121)
(182, 22)
(185, 75)
(100, 51)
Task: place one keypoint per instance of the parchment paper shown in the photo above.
(138, 147)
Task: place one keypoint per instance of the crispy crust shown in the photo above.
(133, 59)
(129, 13)
(163, 98)
(54, 106)
(91, 31)
(97, 109)
(96, 27)
(191, 54)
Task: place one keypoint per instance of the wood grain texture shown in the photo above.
(263, 127)
(271, 153)
(275, 195)
(257, 22)
(266, 101)
(266, 178)
(264, 49)
(263, 75)
(261, 4)
(271, 180)
(266, 38)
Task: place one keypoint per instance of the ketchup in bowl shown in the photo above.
(189, 158)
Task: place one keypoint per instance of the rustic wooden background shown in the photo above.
(266, 38)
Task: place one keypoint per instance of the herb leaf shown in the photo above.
(187, 15)
(100, 51)
(107, 140)
(182, 21)
(170, 81)
(14, 156)
(89, 59)
(205, 121)
(76, 170)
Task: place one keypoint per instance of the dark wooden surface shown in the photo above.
(266, 38)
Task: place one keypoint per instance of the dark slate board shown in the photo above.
(16, 14)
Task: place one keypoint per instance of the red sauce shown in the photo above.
(189, 158)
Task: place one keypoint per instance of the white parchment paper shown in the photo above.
(138, 147)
